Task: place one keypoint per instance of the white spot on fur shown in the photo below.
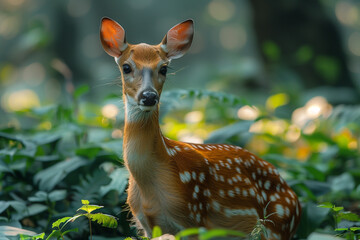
(229, 161)
(216, 206)
(221, 193)
(245, 193)
(230, 181)
(201, 177)
(185, 177)
(222, 178)
(198, 217)
(267, 185)
(196, 188)
(242, 212)
(238, 169)
(254, 176)
(193, 175)
(231, 193)
(252, 192)
(279, 209)
(207, 193)
(264, 195)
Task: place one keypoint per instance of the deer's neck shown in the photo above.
(143, 145)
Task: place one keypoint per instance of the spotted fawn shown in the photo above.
(178, 185)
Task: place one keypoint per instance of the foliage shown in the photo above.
(345, 218)
(74, 152)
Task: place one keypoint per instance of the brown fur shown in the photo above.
(178, 185)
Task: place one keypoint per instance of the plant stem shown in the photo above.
(90, 228)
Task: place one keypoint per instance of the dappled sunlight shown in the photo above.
(232, 37)
(20, 100)
(117, 133)
(313, 109)
(248, 113)
(346, 12)
(110, 111)
(221, 10)
(194, 117)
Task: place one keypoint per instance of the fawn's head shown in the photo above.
(143, 67)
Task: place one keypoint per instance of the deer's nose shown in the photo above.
(149, 98)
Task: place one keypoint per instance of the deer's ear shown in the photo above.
(112, 37)
(178, 39)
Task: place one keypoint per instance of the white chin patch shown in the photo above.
(147, 108)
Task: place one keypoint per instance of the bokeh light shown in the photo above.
(346, 12)
(314, 108)
(221, 10)
(34, 74)
(354, 43)
(20, 100)
(232, 37)
(194, 117)
(109, 110)
(248, 113)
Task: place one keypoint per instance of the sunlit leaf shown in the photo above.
(104, 220)
(157, 232)
(59, 221)
(89, 208)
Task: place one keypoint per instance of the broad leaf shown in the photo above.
(104, 220)
(89, 208)
(57, 223)
(49, 177)
(119, 180)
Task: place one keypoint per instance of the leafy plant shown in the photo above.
(104, 220)
(352, 231)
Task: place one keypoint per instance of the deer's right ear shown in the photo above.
(112, 37)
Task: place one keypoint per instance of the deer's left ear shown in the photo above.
(178, 39)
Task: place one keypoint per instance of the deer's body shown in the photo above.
(178, 185)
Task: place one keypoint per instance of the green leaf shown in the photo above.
(343, 182)
(341, 229)
(59, 221)
(223, 134)
(89, 208)
(3, 206)
(119, 180)
(326, 205)
(57, 195)
(40, 196)
(271, 50)
(50, 177)
(71, 230)
(353, 217)
(327, 67)
(218, 233)
(54, 233)
(187, 232)
(85, 202)
(81, 90)
(337, 209)
(156, 232)
(104, 220)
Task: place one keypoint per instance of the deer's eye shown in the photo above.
(163, 70)
(126, 68)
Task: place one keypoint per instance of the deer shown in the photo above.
(178, 185)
